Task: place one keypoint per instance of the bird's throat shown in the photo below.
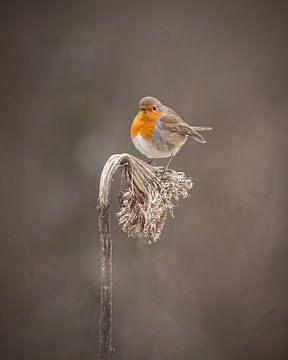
(145, 123)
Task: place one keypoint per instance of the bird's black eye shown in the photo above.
(154, 108)
(142, 109)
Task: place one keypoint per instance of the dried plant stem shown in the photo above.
(105, 323)
(150, 196)
(105, 334)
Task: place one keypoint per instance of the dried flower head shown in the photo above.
(151, 193)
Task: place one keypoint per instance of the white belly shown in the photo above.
(148, 149)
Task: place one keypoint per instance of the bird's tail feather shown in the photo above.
(196, 136)
(201, 128)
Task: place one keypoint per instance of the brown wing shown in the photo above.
(174, 123)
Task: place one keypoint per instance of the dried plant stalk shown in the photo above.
(150, 195)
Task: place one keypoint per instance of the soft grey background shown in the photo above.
(215, 286)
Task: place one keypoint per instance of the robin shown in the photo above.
(159, 132)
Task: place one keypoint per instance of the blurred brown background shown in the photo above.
(215, 286)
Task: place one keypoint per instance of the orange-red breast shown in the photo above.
(159, 132)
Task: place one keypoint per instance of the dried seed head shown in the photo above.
(151, 193)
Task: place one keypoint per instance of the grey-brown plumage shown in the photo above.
(174, 123)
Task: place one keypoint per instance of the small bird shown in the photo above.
(159, 132)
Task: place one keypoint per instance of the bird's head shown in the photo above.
(150, 103)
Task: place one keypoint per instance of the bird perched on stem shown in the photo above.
(159, 132)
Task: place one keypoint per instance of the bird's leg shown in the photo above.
(150, 161)
(170, 159)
